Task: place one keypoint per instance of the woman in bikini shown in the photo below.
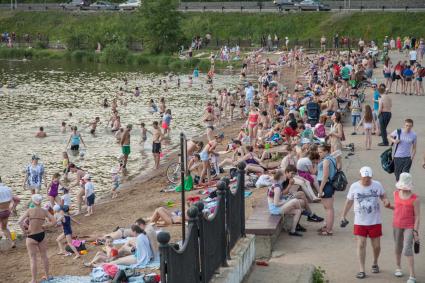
(205, 156)
(209, 120)
(252, 123)
(8, 203)
(253, 163)
(36, 242)
(165, 217)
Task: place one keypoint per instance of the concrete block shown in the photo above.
(242, 257)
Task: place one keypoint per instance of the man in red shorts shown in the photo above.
(365, 195)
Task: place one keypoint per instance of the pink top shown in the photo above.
(404, 212)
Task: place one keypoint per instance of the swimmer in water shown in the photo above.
(117, 124)
(105, 103)
(94, 125)
(156, 143)
(137, 92)
(178, 82)
(162, 106)
(153, 106)
(190, 81)
(41, 133)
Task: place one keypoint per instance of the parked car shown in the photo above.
(102, 5)
(284, 5)
(75, 4)
(130, 5)
(312, 5)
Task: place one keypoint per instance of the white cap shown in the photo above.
(366, 171)
(405, 182)
(56, 207)
(87, 177)
(36, 198)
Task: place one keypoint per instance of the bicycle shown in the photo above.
(173, 171)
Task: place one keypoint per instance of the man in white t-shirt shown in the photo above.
(412, 56)
(365, 195)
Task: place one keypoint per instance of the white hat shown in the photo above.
(114, 171)
(366, 171)
(56, 207)
(87, 177)
(36, 198)
(405, 182)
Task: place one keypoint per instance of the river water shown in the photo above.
(44, 93)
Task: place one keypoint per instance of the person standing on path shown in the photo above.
(405, 142)
(34, 175)
(384, 114)
(405, 223)
(365, 195)
(125, 144)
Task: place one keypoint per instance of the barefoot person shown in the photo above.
(156, 143)
(365, 195)
(34, 175)
(41, 133)
(36, 242)
(78, 183)
(8, 203)
(125, 144)
(75, 138)
(66, 219)
(405, 224)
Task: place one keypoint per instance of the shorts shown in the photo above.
(346, 79)
(371, 231)
(75, 147)
(387, 75)
(408, 79)
(165, 126)
(397, 77)
(5, 214)
(126, 149)
(156, 147)
(204, 156)
(355, 119)
(35, 188)
(419, 79)
(90, 200)
(92, 131)
(328, 190)
(412, 62)
(115, 186)
(403, 239)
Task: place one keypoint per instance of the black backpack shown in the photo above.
(339, 181)
(387, 160)
(313, 113)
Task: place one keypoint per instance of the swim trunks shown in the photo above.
(156, 147)
(125, 149)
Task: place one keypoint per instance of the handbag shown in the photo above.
(416, 247)
(387, 160)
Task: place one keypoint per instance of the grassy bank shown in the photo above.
(157, 62)
(126, 27)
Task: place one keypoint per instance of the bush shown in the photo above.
(78, 55)
(115, 53)
(176, 65)
(319, 275)
(142, 60)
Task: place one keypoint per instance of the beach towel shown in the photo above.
(188, 184)
(87, 279)
(152, 264)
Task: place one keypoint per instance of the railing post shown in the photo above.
(200, 207)
(226, 181)
(221, 188)
(241, 186)
(164, 248)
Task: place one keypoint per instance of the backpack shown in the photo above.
(339, 181)
(422, 72)
(320, 131)
(387, 160)
(313, 111)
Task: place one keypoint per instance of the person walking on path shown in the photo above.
(384, 114)
(365, 195)
(405, 148)
(405, 224)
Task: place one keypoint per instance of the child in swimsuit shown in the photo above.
(66, 219)
(143, 133)
(53, 190)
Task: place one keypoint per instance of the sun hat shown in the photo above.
(56, 207)
(87, 177)
(405, 182)
(366, 171)
(35, 157)
(36, 198)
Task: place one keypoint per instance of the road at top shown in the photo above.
(337, 254)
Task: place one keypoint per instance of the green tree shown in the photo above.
(161, 25)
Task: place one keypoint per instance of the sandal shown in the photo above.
(375, 268)
(398, 273)
(361, 275)
(325, 233)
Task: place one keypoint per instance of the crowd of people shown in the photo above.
(292, 141)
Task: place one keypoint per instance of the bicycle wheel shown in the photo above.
(173, 172)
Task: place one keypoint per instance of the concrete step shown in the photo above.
(282, 273)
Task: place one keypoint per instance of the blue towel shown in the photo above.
(69, 279)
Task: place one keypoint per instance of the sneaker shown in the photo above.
(314, 218)
(398, 273)
(411, 280)
(300, 228)
(296, 234)
(383, 144)
(353, 133)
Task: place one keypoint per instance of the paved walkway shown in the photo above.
(337, 254)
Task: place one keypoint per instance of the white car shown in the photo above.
(130, 5)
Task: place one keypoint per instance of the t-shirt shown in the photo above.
(376, 97)
(304, 164)
(405, 144)
(89, 189)
(249, 92)
(143, 250)
(167, 119)
(345, 73)
(35, 175)
(5, 193)
(66, 199)
(356, 107)
(366, 203)
(407, 73)
(412, 55)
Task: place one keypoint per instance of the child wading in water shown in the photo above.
(143, 134)
(166, 121)
(53, 190)
(368, 124)
(89, 194)
(115, 182)
(66, 219)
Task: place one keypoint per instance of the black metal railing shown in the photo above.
(209, 238)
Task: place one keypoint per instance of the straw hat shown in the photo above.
(405, 182)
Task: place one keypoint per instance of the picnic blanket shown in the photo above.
(86, 279)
